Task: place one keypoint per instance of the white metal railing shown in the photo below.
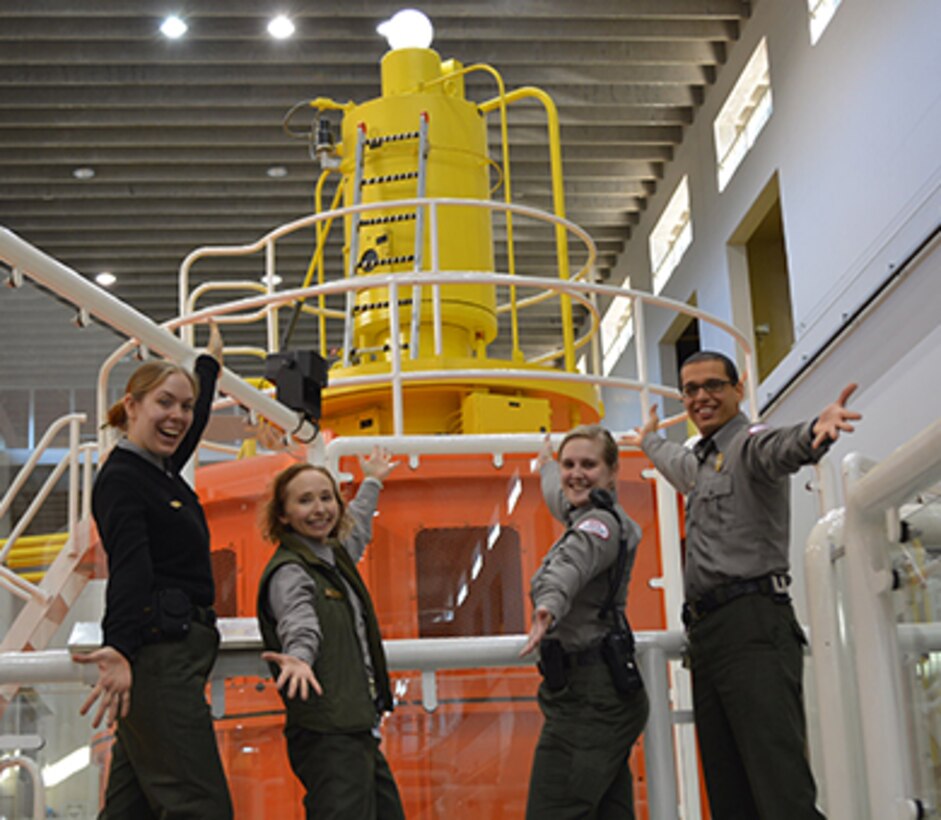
(576, 287)
(9, 579)
(13, 747)
(27, 260)
(866, 735)
(240, 656)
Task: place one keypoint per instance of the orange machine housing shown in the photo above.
(455, 542)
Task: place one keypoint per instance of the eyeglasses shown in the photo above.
(711, 386)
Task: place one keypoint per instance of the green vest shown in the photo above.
(346, 704)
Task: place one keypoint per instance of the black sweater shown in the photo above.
(153, 528)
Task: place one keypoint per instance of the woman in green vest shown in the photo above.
(324, 647)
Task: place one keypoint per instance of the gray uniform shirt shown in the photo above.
(738, 499)
(573, 580)
(291, 589)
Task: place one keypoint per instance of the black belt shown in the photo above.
(583, 657)
(773, 586)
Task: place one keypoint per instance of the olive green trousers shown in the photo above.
(346, 776)
(165, 764)
(747, 664)
(580, 769)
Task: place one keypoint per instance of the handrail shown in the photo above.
(267, 241)
(29, 765)
(72, 286)
(547, 288)
(240, 657)
(10, 580)
(578, 290)
(861, 535)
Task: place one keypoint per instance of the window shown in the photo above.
(743, 114)
(671, 236)
(616, 331)
(820, 12)
(470, 582)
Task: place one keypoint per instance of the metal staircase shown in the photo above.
(48, 601)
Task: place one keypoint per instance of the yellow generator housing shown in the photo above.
(422, 138)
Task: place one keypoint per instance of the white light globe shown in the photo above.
(408, 28)
(173, 27)
(280, 27)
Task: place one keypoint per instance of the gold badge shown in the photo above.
(176, 504)
(330, 592)
(720, 459)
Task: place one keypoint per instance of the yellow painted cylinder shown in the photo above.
(457, 167)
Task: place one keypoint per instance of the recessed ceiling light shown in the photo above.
(277, 172)
(173, 27)
(280, 27)
(106, 279)
(84, 173)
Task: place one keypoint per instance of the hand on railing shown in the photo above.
(295, 673)
(270, 436)
(835, 417)
(113, 687)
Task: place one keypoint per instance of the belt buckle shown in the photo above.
(779, 584)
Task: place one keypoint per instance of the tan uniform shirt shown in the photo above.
(573, 580)
(737, 507)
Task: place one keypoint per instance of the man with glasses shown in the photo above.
(745, 645)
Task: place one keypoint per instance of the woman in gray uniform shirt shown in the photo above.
(592, 698)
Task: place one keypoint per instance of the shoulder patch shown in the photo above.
(757, 428)
(594, 527)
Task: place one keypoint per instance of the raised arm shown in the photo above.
(376, 468)
(206, 369)
(677, 464)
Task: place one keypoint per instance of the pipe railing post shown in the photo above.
(395, 340)
(272, 312)
(640, 348)
(658, 736)
(436, 288)
(73, 475)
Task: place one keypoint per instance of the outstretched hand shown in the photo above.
(835, 417)
(378, 464)
(113, 687)
(295, 673)
(542, 620)
(635, 437)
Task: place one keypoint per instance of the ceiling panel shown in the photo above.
(180, 134)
